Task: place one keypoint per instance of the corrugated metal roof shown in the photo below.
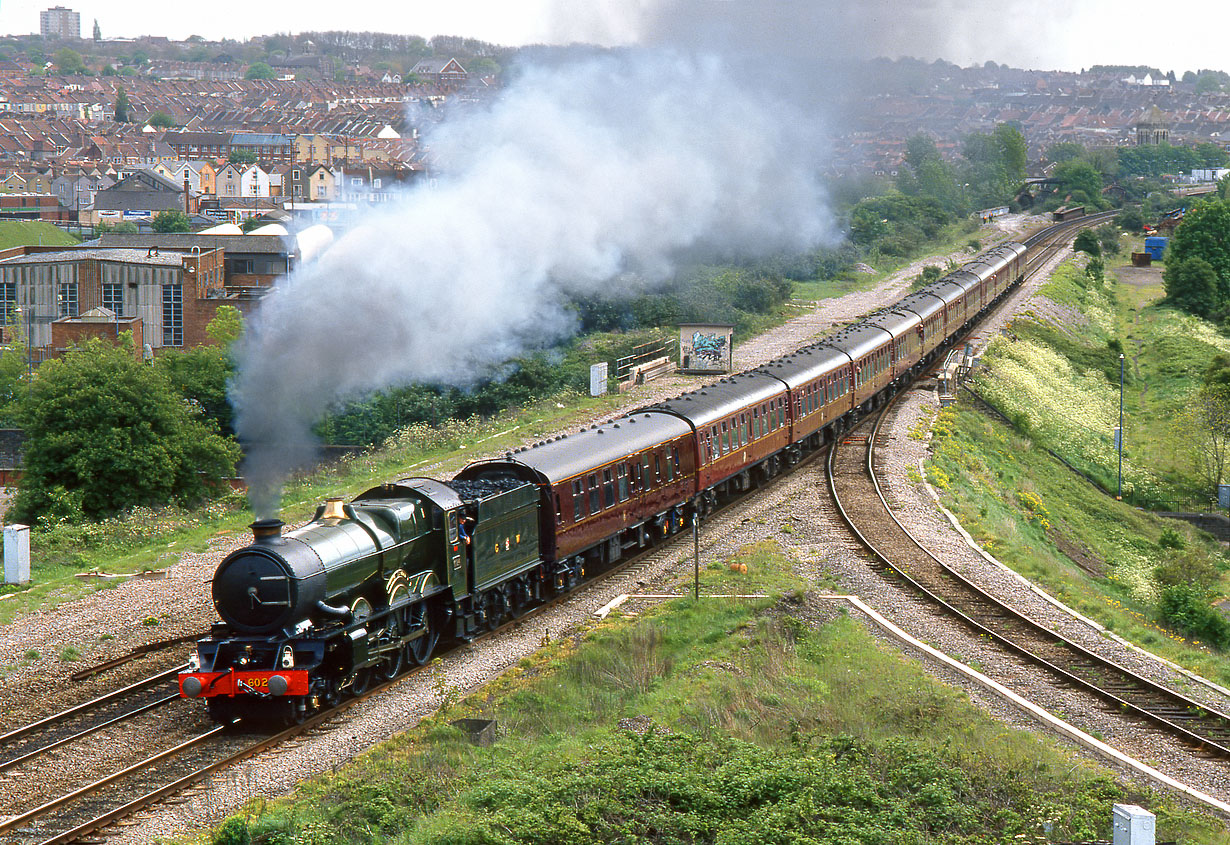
(128, 256)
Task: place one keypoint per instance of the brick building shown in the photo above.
(166, 298)
(68, 332)
(27, 206)
(250, 261)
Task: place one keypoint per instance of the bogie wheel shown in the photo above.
(360, 683)
(296, 712)
(220, 710)
(495, 606)
(518, 599)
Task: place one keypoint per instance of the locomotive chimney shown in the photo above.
(333, 508)
(266, 530)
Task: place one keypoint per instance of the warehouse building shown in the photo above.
(51, 297)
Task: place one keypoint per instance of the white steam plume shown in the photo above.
(577, 174)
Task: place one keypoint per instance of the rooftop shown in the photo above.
(128, 256)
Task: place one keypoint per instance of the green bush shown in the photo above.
(1186, 608)
(233, 831)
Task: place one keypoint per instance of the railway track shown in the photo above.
(21, 745)
(856, 490)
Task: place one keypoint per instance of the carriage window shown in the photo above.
(675, 457)
(657, 469)
(559, 511)
(608, 489)
(579, 511)
(725, 439)
(621, 477)
(595, 495)
(670, 469)
(644, 472)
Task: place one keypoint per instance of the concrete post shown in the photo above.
(16, 554)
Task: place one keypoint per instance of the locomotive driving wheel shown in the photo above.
(394, 661)
(418, 650)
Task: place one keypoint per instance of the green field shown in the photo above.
(33, 233)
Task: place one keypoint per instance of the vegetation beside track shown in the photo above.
(779, 720)
(1149, 579)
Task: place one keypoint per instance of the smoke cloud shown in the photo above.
(1026, 33)
(589, 173)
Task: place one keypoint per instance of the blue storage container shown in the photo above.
(1156, 247)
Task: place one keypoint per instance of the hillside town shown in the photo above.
(284, 132)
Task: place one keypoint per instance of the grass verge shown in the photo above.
(716, 722)
(1056, 375)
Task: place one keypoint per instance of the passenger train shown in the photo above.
(370, 586)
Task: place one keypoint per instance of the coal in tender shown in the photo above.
(474, 489)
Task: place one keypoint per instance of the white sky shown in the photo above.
(1179, 35)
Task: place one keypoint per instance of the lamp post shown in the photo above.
(1119, 491)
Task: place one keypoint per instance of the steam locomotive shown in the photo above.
(370, 586)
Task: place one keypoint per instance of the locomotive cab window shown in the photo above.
(452, 526)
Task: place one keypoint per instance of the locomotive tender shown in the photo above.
(368, 587)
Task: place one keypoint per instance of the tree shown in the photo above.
(121, 105)
(171, 221)
(1064, 151)
(260, 70)
(161, 120)
(12, 375)
(1207, 83)
(1131, 221)
(106, 433)
(1079, 181)
(68, 60)
(1205, 234)
(226, 326)
(1087, 242)
(1191, 284)
(241, 157)
(1108, 238)
(1012, 151)
(200, 376)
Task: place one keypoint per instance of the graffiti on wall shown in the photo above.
(710, 348)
